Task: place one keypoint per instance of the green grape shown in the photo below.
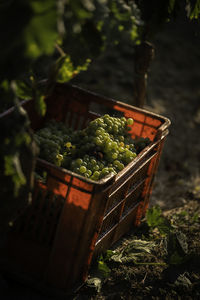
(59, 156)
(108, 122)
(86, 157)
(114, 145)
(121, 149)
(82, 169)
(89, 172)
(58, 159)
(95, 176)
(76, 170)
(86, 174)
(130, 121)
(106, 116)
(118, 165)
(121, 166)
(98, 141)
(68, 144)
(115, 129)
(78, 161)
(123, 119)
(133, 156)
(93, 161)
(84, 164)
(112, 170)
(98, 132)
(114, 155)
(101, 165)
(105, 171)
(108, 146)
(96, 168)
(121, 138)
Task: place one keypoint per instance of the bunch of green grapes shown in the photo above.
(51, 139)
(103, 147)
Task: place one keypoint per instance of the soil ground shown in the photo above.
(173, 91)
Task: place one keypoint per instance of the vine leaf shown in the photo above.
(23, 90)
(177, 248)
(135, 250)
(156, 220)
(13, 169)
(41, 32)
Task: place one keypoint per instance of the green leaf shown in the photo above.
(65, 69)
(194, 9)
(133, 252)
(23, 90)
(183, 281)
(195, 217)
(40, 103)
(94, 283)
(121, 12)
(177, 248)
(139, 246)
(116, 257)
(22, 138)
(153, 216)
(108, 254)
(41, 33)
(156, 220)
(103, 268)
(80, 9)
(13, 168)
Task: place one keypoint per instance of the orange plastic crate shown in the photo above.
(73, 219)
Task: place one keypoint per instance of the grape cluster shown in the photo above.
(51, 139)
(103, 147)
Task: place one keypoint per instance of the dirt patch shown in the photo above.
(169, 270)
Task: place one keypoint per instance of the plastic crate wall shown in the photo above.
(72, 218)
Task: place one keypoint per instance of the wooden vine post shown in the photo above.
(144, 54)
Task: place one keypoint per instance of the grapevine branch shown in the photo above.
(144, 54)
